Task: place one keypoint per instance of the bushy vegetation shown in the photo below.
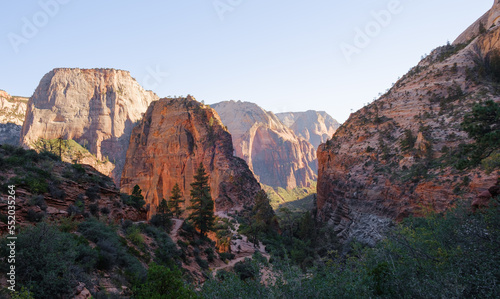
(300, 198)
(482, 125)
(163, 282)
(439, 256)
(49, 262)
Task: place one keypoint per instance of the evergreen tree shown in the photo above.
(175, 200)
(163, 216)
(136, 199)
(483, 125)
(264, 216)
(202, 205)
(163, 207)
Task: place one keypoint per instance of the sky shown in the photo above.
(327, 55)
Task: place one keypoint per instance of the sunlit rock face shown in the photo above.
(367, 179)
(95, 107)
(277, 157)
(167, 147)
(490, 19)
(12, 113)
(314, 126)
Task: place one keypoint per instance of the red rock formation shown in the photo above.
(95, 107)
(367, 177)
(277, 157)
(166, 148)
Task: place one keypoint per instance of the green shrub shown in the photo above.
(105, 210)
(201, 262)
(93, 192)
(163, 282)
(111, 251)
(408, 141)
(167, 252)
(37, 185)
(245, 269)
(94, 209)
(491, 163)
(46, 261)
(134, 235)
(34, 216)
(226, 255)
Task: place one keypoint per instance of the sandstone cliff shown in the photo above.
(12, 109)
(488, 20)
(172, 139)
(394, 157)
(95, 107)
(12, 113)
(277, 157)
(314, 126)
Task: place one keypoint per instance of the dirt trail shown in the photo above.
(175, 229)
(242, 248)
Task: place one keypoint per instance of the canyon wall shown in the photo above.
(277, 157)
(397, 156)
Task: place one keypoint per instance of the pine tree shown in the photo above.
(163, 216)
(202, 205)
(175, 200)
(136, 199)
(163, 207)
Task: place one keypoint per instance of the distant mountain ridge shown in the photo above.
(314, 126)
(277, 156)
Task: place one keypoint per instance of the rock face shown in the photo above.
(12, 109)
(488, 20)
(314, 126)
(12, 113)
(394, 157)
(172, 139)
(95, 107)
(277, 157)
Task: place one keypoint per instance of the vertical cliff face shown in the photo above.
(95, 107)
(314, 126)
(273, 152)
(397, 156)
(172, 139)
(12, 113)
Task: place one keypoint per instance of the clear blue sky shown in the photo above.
(282, 55)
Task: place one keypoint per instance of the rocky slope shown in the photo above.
(12, 113)
(95, 107)
(314, 126)
(277, 157)
(172, 139)
(394, 157)
(46, 188)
